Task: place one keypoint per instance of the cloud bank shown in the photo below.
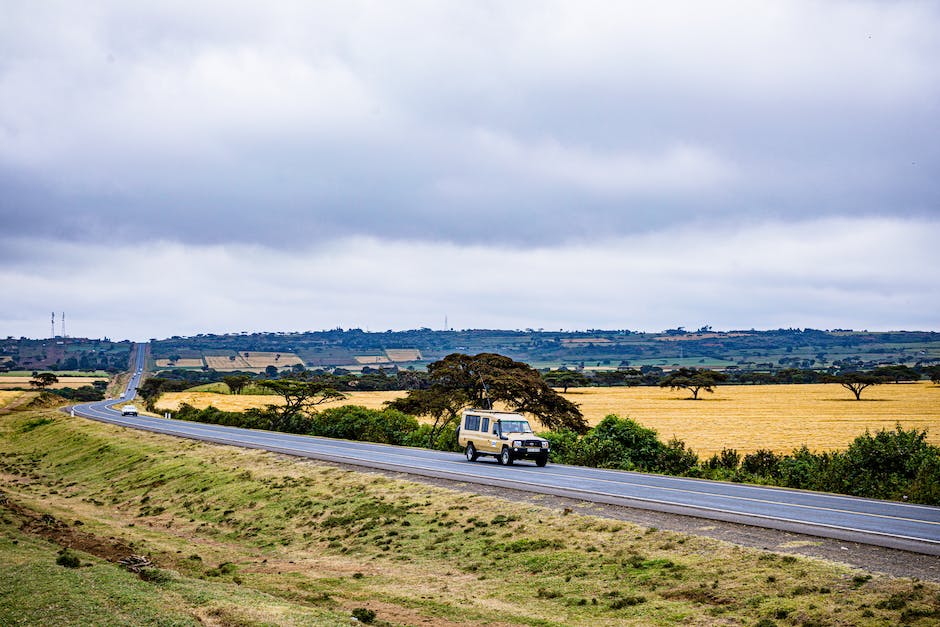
(555, 135)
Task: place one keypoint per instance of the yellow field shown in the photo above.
(403, 354)
(179, 363)
(64, 382)
(776, 417)
(252, 361)
(7, 397)
(171, 401)
(746, 418)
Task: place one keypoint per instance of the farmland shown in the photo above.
(10, 382)
(746, 418)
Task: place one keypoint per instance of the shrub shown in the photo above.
(68, 559)
(354, 422)
(761, 463)
(363, 615)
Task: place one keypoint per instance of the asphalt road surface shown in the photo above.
(882, 523)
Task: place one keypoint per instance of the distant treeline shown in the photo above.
(890, 464)
(376, 379)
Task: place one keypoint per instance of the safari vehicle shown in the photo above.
(504, 435)
(129, 410)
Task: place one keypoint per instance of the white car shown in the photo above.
(129, 410)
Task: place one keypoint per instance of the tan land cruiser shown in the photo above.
(504, 435)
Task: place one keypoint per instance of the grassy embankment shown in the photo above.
(744, 417)
(243, 537)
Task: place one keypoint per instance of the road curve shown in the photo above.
(882, 523)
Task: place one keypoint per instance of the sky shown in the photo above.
(209, 167)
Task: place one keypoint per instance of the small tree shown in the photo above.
(299, 397)
(565, 379)
(236, 382)
(855, 382)
(693, 380)
(42, 380)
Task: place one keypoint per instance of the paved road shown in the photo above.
(883, 523)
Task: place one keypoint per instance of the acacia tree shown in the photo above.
(855, 382)
(299, 397)
(459, 381)
(42, 380)
(565, 379)
(236, 382)
(693, 380)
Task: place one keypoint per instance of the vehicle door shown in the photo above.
(486, 433)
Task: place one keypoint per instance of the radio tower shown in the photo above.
(63, 324)
(53, 325)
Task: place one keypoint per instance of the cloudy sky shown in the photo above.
(197, 167)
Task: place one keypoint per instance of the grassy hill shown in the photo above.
(242, 537)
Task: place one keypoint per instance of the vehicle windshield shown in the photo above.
(516, 426)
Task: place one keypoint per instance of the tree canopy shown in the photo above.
(299, 396)
(855, 382)
(693, 380)
(565, 379)
(459, 381)
(42, 380)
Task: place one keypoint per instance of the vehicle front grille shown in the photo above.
(533, 443)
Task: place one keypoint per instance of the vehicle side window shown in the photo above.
(472, 423)
(486, 425)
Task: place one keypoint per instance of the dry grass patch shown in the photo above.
(64, 382)
(171, 401)
(7, 397)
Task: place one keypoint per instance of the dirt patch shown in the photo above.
(64, 534)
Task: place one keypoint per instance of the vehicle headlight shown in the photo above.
(517, 443)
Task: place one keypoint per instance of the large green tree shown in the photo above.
(459, 381)
(694, 380)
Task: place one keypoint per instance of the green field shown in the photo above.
(241, 537)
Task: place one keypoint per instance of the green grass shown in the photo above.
(249, 538)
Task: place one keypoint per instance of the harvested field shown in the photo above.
(746, 418)
(403, 354)
(7, 383)
(171, 401)
(180, 363)
(368, 360)
(252, 361)
(775, 417)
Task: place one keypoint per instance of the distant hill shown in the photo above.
(64, 353)
(355, 349)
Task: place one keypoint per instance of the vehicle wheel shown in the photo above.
(541, 460)
(471, 453)
(505, 458)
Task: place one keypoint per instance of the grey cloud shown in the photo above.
(525, 124)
